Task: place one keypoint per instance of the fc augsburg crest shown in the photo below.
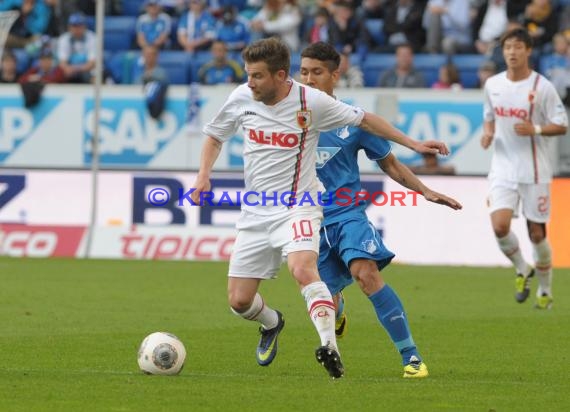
(304, 118)
(531, 96)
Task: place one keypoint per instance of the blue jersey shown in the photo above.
(337, 168)
(235, 34)
(202, 27)
(151, 28)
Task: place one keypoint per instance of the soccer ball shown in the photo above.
(161, 353)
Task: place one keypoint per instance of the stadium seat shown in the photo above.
(429, 65)
(120, 66)
(547, 63)
(468, 65)
(119, 32)
(356, 60)
(177, 64)
(132, 7)
(376, 29)
(374, 64)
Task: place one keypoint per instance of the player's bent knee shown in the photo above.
(304, 275)
(369, 282)
(536, 232)
(303, 267)
(536, 236)
(501, 230)
(239, 302)
(365, 272)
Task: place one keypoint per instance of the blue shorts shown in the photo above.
(344, 241)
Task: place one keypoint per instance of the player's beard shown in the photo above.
(267, 97)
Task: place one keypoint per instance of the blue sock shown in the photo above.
(390, 312)
(340, 308)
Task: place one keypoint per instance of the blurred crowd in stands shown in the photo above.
(443, 44)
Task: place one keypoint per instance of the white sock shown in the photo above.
(543, 267)
(509, 245)
(322, 311)
(260, 312)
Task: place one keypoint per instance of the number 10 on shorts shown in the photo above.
(302, 229)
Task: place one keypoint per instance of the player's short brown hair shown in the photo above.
(519, 34)
(273, 51)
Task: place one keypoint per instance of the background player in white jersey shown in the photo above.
(281, 120)
(522, 111)
(350, 245)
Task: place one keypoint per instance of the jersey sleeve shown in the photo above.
(225, 124)
(376, 148)
(553, 108)
(488, 113)
(332, 113)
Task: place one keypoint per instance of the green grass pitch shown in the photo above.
(70, 330)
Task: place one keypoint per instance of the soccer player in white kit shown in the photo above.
(522, 112)
(281, 120)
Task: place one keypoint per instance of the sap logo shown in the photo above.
(287, 140)
(18, 123)
(15, 125)
(511, 112)
(455, 124)
(127, 134)
(324, 154)
(235, 151)
(129, 130)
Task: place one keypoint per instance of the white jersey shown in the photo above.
(280, 141)
(519, 158)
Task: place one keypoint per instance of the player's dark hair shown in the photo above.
(322, 52)
(519, 34)
(273, 51)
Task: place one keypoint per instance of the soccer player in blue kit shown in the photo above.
(350, 246)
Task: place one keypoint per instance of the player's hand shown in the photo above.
(486, 140)
(202, 184)
(442, 199)
(431, 147)
(524, 129)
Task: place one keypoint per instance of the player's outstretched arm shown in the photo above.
(210, 152)
(441, 199)
(400, 173)
(380, 127)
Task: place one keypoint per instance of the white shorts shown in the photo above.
(535, 199)
(263, 242)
